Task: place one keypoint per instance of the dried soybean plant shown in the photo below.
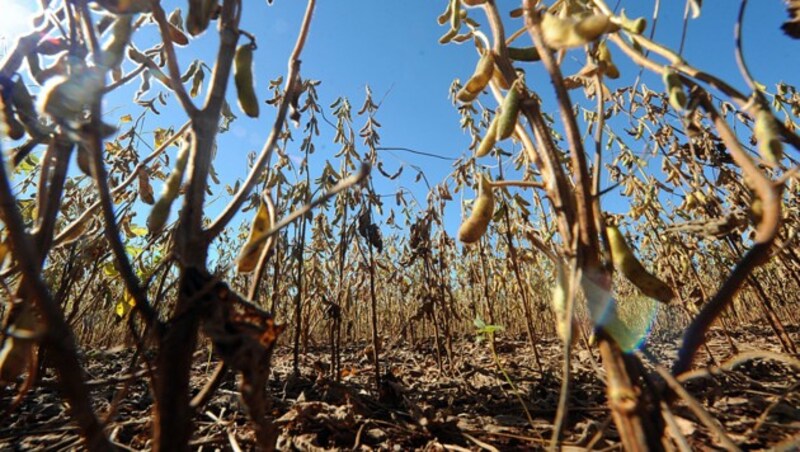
(79, 53)
(688, 124)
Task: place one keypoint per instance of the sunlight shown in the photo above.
(14, 19)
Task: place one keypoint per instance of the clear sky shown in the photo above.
(392, 46)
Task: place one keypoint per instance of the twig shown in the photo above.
(344, 184)
(696, 408)
(766, 231)
(517, 183)
(413, 151)
(292, 85)
(58, 336)
(172, 59)
(89, 211)
(94, 142)
(737, 32)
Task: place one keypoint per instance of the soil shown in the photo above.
(754, 397)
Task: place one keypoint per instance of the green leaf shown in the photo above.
(138, 231)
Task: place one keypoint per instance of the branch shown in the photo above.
(552, 172)
(678, 64)
(58, 337)
(737, 32)
(266, 152)
(172, 59)
(95, 143)
(344, 184)
(766, 231)
(50, 192)
(589, 247)
(89, 211)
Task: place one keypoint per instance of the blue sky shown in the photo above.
(392, 46)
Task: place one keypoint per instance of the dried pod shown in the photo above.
(768, 136)
(455, 14)
(626, 262)
(177, 36)
(488, 141)
(636, 26)
(480, 78)
(499, 79)
(65, 98)
(482, 211)
(114, 50)
(566, 33)
(160, 213)
(604, 58)
(200, 14)
(483, 73)
(677, 97)
(145, 189)
(509, 115)
(262, 223)
(592, 27)
(243, 76)
(524, 54)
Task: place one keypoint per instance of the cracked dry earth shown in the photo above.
(755, 398)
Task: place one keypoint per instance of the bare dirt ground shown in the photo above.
(754, 398)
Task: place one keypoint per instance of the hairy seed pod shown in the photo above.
(160, 213)
(447, 37)
(677, 97)
(177, 36)
(200, 12)
(482, 211)
(604, 58)
(767, 135)
(524, 54)
(455, 15)
(114, 50)
(483, 73)
(145, 189)
(508, 117)
(262, 223)
(488, 141)
(480, 78)
(626, 262)
(65, 98)
(499, 79)
(560, 33)
(74, 233)
(592, 27)
(635, 26)
(566, 33)
(243, 76)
